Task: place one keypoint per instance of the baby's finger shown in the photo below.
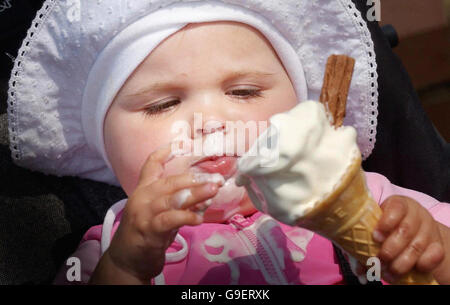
(431, 258)
(153, 167)
(400, 238)
(194, 195)
(174, 219)
(184, 198)
(406, 260)
(175, 183)
(394, 210)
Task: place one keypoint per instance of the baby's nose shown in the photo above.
(211, 126)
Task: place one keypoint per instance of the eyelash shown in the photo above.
(154, 110)
(253, 93)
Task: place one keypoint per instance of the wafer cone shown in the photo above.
(349, 216)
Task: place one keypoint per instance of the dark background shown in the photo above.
(42, 218)
(424, 32)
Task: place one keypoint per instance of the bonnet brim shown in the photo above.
(66, 37)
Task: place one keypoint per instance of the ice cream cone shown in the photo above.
(348, 217)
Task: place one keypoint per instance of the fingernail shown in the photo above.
(205, 177)
(169, 157)
(184, 150)
(378, 236)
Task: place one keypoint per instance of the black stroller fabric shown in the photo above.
(42, 218)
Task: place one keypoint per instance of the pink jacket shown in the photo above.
(246, 250)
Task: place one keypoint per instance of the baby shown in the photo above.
(227, 71)
(232, 74)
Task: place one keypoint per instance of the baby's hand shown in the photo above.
(410, 238)
(152, 216)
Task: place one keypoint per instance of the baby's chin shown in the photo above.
(214, 215)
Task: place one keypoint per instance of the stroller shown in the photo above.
(46, 216)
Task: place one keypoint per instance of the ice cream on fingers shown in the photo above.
(313, 177)
(212, 164)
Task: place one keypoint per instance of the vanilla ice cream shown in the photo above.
(308, 158)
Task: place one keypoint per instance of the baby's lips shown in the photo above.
(224, 165)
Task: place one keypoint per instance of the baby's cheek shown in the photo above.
(129, 167)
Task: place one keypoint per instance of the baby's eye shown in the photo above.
(157, 108)
(244, 93)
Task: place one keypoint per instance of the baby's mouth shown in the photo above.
(224, 165)
(227, 200)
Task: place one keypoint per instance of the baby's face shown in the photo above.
(226, 71)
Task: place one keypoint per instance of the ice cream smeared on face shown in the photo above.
(312, 157)
(215, 164)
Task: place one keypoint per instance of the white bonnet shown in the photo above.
(55, 127)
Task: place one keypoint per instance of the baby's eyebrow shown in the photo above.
(158, 86)
(230, 76)
(238, 74)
